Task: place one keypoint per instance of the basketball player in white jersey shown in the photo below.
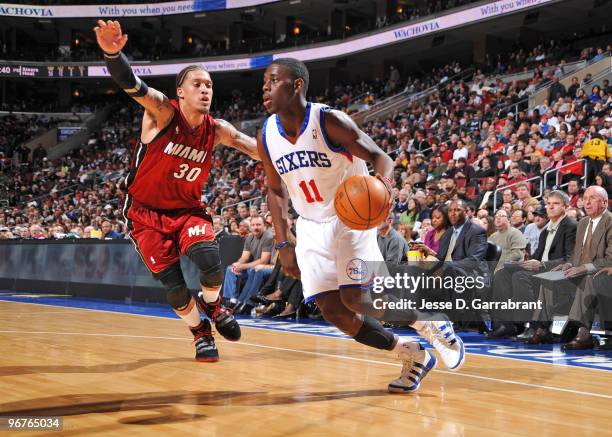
(313, 149)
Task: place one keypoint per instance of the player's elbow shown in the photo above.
(277, 192)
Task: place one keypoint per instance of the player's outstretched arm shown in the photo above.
(278, 202)
(227, 134)
(343, 131)
(111, 40)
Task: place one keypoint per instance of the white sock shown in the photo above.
(409, 344)
(210, 294)
(190, 314)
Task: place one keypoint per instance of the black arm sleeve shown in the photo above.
(121, 72)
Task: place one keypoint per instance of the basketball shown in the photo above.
(362, 202)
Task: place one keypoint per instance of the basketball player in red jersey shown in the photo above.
(163, 204)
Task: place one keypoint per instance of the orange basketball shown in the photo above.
(362, 202)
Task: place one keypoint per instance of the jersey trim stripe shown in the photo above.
(140, 155)
(263, 138)
(302, 128)
(336, 149)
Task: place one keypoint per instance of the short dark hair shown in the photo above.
(297, 68)
(180, 77)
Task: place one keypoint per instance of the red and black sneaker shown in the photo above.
(206, 351)
(224, 320)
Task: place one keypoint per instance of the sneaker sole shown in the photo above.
(207, 360)
(401, 389)
(230, 331)
(461, 355)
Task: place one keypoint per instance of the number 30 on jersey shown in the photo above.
(187, 173)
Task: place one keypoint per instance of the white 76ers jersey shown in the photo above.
(313, 167)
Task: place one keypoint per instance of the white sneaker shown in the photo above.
(416, 365)
(441, 336)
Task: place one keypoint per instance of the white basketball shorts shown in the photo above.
(332, 256)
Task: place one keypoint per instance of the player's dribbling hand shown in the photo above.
(387, 182)
(289, 261)
(109, 36)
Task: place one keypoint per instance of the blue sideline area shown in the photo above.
(474, 342)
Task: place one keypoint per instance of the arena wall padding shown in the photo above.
(97, 269)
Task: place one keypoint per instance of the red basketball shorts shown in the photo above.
(160, 236)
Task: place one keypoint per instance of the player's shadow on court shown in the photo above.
(98, 368)
(165, 404)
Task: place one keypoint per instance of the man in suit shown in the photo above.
(555, 246)
(464, 245)
(593, 251)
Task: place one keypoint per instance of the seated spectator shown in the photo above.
(393, 246)
(602, 181)
(218, 228)
(410, 216)
(484, 200)
(464, 171)
(555, 246)
(5, 233)
(257, 251)
(509, 239)
(533, 230)
(107, 231)
(592, 252)
(463, 245)
(440, 224)
(518, 219)
(573, 190)
(485, 169)
(401, 204)
(523, 198)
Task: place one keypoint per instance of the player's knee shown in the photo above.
(205, 256)
(333, 311)
(173, 281)
(352, 299)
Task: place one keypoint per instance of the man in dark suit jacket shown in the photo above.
(593, 252)
(555, 246)
(464, 245)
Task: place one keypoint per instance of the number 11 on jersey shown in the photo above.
(315, 191)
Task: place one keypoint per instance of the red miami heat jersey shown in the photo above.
(170, 171)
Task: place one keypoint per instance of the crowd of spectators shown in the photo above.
(449, 142)
(144, 46)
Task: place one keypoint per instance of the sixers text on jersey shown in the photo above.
(300, 159)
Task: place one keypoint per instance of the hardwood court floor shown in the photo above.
(120, 374)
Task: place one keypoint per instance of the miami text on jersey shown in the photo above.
(183, 151)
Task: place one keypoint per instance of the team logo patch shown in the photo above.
(357, 269)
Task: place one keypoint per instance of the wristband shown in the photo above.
(281, 244)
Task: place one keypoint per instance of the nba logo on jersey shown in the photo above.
(314, 134)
